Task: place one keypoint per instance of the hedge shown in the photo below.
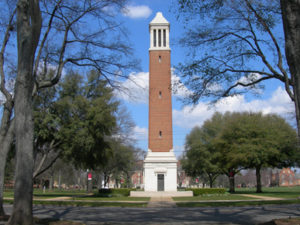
(206, 191)
(115, 192)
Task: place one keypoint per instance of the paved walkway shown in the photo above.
(161, 202)
(248, 215)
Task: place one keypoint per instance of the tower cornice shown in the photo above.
(159, 20)
(159, 29)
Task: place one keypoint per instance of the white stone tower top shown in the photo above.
(159, 19)
(159, 29)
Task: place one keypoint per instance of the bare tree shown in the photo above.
(237, 45)
(6, 127)
(290, 11)
(53, 34)
(29, 23)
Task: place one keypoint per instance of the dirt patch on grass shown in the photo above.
(290, 221)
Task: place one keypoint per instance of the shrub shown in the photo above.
(206, 191)
(115, 192)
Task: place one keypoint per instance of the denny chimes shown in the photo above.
(160, 165)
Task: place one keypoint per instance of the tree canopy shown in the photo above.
(234, 141)
(87, 114)
(258, 141)
(78, 120)
(200, 154)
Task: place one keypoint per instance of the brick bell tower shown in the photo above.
(160, 164)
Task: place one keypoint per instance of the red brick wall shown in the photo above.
(160, 102)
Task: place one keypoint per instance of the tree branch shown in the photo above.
(37, 60)
(279, 54)
(9, 28)
(37, 173)
(226, 93)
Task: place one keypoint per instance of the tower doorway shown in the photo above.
(160, 182)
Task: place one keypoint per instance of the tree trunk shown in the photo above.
(106, 180)
(2, 168)
(231, 184)
(6, 126)
(28, 32)
(211, 181)
(129, 185)
(89, 186)
(101, 181)
(212, 177)
(258, 180)
(59, 179)
(5, 141)
(51, 180)
(291, 22)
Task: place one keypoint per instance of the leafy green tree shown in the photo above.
(105, 127)
(46, 130)
(200, 157)
(49, 34)
(120, 164)
(259, 141)
(237, 45)
(231, 142)
(205, 154)
(87, 119)
(74, 122)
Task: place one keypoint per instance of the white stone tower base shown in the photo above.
(160, 164)
(160, 171)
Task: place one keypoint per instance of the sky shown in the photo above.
(136, 19)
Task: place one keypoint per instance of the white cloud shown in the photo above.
(179, 90)
(248, 79)
(136, 88)
(9, 85)
(140, 133)
(251, 77)
(135, 12)
(178, 150)
(190, 116)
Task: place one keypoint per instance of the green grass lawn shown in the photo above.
(240, 203)
(226, 196)
(84, 199)
(84, 203)
(278, 192)
(39, 193)
(8, 194)
(121, 198)
(77, 195)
